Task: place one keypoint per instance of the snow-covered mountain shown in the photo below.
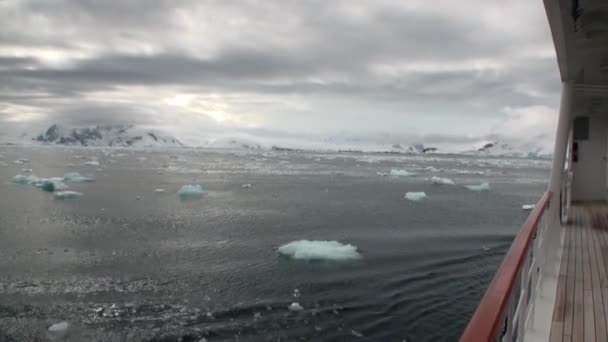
(122, 136)
(130, 135)
(504, 149)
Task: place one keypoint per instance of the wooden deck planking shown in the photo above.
(581, 305)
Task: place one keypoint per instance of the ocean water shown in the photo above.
(125, 263)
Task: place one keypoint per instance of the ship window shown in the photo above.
(581, 128)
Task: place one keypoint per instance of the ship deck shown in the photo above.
(581, 306)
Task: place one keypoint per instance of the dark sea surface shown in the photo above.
(126, 263)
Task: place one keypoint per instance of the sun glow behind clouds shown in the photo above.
(211, 105)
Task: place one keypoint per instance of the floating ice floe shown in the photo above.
(27, 170)
(67, 194)
(92, 163)
(23, 179)
(246, 186)
(191, 190)
(46, 184)
(479, 187)
(415, 196)
(528, 206)
(320, 250)
(438, 181)
(76, 177)
(356, 333)
(401, 173)
(21, 161)
(159, 190)
(295, 306)
(58, 327)
(432, 169)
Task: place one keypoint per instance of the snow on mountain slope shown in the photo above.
(122, 136)
(523, 150)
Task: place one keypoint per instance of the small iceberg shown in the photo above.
(401, 173)
(159, 190)
(441, 181)
(480, 187)
(22, 179)
(67, 194)
(528, 206)
(415, 196)
(191, 190)
(92, 163)
(319, 250)
(246, 186)
(295, 307)
(76, 177)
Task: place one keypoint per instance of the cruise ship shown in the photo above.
(553, 282)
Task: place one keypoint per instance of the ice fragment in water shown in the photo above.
(47, 186)
(92, 163)
(438, 181)
(415, 196)
(76, 177)
(401, 173)
(295, 306)
(67, 194)
(480, 187)
(21, 179)
(319, 250)
(58, 331)
(159, 190)
(59, 327)
(246, 186)
(356, 333)
(528, 206)
(190, 190)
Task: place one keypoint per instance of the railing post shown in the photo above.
(561, 140)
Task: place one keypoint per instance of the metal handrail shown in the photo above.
(505, 307)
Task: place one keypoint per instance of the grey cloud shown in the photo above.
(313, 50)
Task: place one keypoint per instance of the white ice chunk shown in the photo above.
(92, 163)
(479, 187)
(438, 181)
(382, 173)
(528, 206)
(21, 161)
(295, 306)
(76, 177)
(432, 169)
(356, 333)
(246, 186)
(67, 194)
(159, 190)
(27, 170)
(191, 190)
(22, 179)
(61, 326)
(401, 173)
(320, 250)
(415, 196)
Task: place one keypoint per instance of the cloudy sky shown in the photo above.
(416, 69)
